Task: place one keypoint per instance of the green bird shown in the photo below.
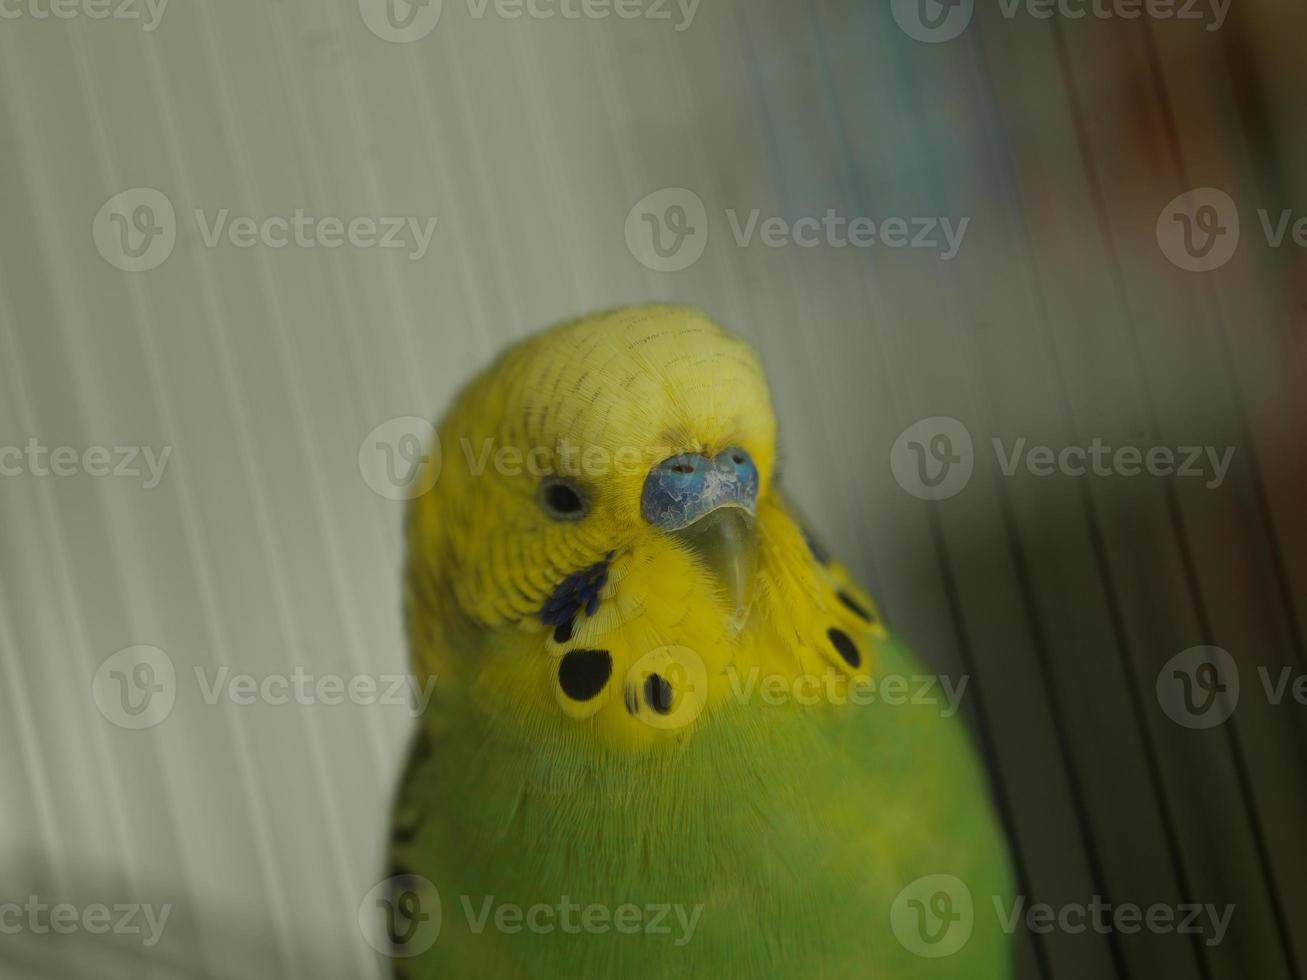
(670, 736)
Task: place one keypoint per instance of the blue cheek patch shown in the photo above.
(680, 490)
(576, 594)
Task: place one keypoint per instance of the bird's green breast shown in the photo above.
(774, 840)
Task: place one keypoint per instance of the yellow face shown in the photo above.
(596, 546)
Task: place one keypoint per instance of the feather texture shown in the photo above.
(606, 734)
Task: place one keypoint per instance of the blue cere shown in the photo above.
(577, 593)
(680, 490)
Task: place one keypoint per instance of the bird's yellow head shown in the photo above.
(602, 538)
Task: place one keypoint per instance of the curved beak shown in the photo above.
(708, 505)
(726, 541)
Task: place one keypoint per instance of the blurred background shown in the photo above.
(224, 381)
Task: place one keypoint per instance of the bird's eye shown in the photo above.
(562, 499)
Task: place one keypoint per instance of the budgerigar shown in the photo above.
(655, 748)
